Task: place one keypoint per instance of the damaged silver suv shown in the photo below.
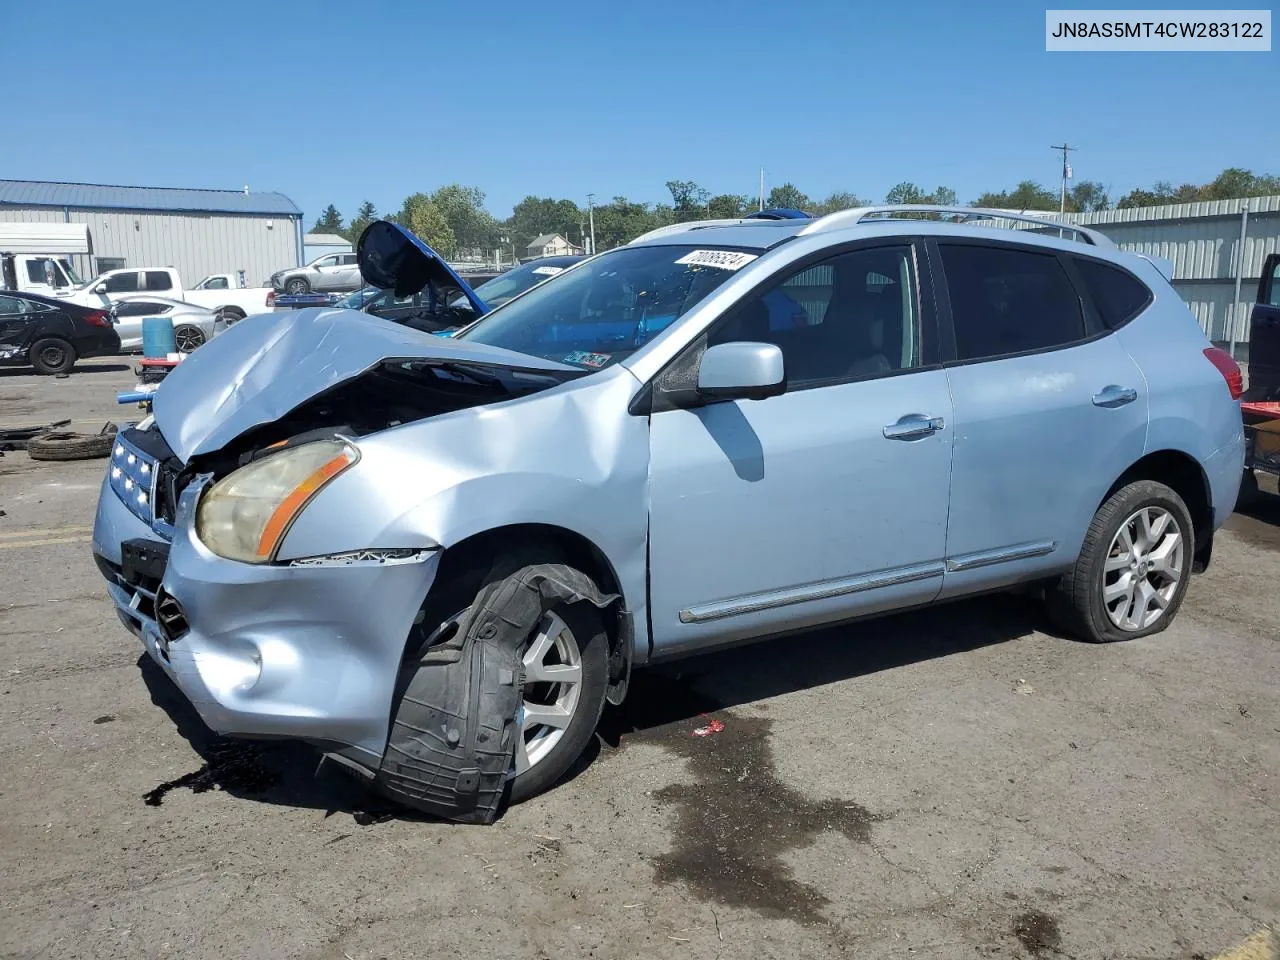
(437, 558)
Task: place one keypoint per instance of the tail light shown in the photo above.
(1229, 369)
(271, 298)
(98, 318)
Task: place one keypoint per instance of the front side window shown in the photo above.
(331, 261)
(45, 271)
(849, 317)
(604, 311)
(1117, 295)
(1275, 285)
(123, 283)
(1006, 301)
(159, 280)
(215, 283)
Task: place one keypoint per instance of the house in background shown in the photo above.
(551, 245)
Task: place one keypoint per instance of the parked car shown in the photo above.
(219, 293)
(332, 272)
(49, 334)
(1261, 409)
(193, 326)
(438, 558)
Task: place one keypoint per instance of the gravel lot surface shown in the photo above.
(952, 783)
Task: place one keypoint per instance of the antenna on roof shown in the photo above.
(246, 189)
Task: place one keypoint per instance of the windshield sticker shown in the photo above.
(585, 358)
(720, 259)
(548, 271)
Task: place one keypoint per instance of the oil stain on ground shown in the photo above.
(735, 822)
(1037, 932)
(229, 765)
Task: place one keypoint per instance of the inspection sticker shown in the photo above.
(721, 259)
(548, 271)
(586, 359)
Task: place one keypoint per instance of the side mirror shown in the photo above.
(100, 288)
(741, 371)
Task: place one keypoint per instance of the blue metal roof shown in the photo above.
(95, 196)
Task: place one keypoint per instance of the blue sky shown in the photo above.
(342, 102)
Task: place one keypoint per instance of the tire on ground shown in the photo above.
(66, 445)
(51, 345)
(1075, 602)
(454, 717)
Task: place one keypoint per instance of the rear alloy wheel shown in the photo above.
(230, 315)
(1133, 569)
(188, 338)
(52, 355)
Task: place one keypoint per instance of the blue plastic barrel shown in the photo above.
(157, 337)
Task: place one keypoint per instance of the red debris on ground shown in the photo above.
(715, 726)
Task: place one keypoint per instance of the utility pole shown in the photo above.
(761, 207)
(591, 215)
(1066, 172)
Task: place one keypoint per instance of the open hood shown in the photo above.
(392, 258)
(269, 364)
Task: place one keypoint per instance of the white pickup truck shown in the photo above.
(220, 292)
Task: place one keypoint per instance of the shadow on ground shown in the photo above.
(661, 698)
(79, 369)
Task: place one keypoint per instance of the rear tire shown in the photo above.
(1133, 569)
(188, 338)
(230, 315)
(52, 355)
(298, 285)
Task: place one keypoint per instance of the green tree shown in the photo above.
(1088, 196)
(473, 226)
(329, 222)
(728, 206)
(1230, 184)
(840, 200)
(688, 200)
(621, 221)
(1027, 195)
(428, 223)
(905, 192)
(943, 197)
(534, 216)
(789, 196)
(360, 222)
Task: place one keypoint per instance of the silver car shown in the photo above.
(334, 272)
(437, 558)
(193, 326)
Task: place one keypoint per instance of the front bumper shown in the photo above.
(308, 652)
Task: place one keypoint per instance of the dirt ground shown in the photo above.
(953, 783)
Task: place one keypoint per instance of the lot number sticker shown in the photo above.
(720, 259)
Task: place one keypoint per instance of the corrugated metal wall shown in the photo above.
(195, 244)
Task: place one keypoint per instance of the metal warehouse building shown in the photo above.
(1217, 248)
(198, 232)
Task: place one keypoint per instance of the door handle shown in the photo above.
(911, 427)
(1114, 396)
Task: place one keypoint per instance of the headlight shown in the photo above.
(245, 515)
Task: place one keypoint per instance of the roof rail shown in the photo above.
(682, 227)
(849, 218)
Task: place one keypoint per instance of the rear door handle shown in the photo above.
(1114, 396)
(912, 427)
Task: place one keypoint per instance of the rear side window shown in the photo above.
(1117, 295)
(1006, 301)
(158, 280)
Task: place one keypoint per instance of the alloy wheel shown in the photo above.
(1143, 568)
(552, 689)
(187, 339)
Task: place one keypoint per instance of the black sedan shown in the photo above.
(50, 334)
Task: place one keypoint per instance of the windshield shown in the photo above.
(358, 299)
(71, 273)
(606, 310)
(502, 288)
